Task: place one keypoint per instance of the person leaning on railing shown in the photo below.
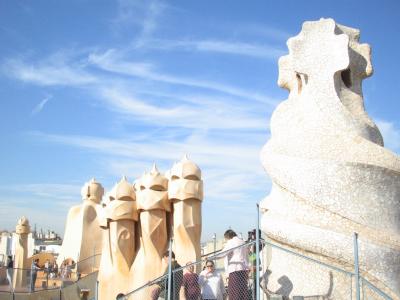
(34, 269)
(176, 280)
(236, 265)
(10, 269)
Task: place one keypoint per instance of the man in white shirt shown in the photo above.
(236, 266)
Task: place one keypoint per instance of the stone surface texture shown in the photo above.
(21, 264)
(139, 219)
(153, 207)
(331, 175)
(119, 222)
(83, 237)
(185, 191)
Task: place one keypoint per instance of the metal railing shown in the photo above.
(194, 280)
(255, 286)
(17, 281)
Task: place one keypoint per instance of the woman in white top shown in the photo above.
(236, 265)
(211, 283)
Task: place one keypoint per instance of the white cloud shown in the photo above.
(200, 113)
(390, 133)
(48, 73)
(240, 48)
(262, 51)
(144, 15)
(52, 191)
(38, 108)
(112, 61)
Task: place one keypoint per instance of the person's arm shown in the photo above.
(202, 279)
(221, 254)
(221, 285)
(182, 295)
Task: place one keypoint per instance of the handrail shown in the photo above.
(219, 255)
(309, 258)
(377, 290)
(42, 268)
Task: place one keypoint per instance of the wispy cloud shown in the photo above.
(144, 15)
(38, 108)
(208, 150)
(235, 47)
(47, 73)
(230, 168)
(261, 32)
(53, 191)
(240, 48)
(391, 135)
(201, 113)
(112, 61)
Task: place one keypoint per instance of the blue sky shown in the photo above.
(105, 88)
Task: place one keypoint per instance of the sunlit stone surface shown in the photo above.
(185, 191)
(83, 236)
(331, 175)
(119, 250)
(21, 264)
(153, 207)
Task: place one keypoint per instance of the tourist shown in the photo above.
(10, 270)
(176, 280)
(63, 270)
(190, 284)
(55, 270)
(253, 256)
(236, 266)
(69, 268)
(211, 283)
(47, 270)
(34, 269)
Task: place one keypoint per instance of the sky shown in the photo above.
(105, 88)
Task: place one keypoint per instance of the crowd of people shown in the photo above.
(188, 285)
(50, 270)
(209, 284)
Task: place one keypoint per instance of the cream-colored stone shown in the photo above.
(21, 264)
(153, 206)
(119, 249)
(330, 174)
(83, 236)
(185, 191)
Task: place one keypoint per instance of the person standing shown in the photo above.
(10, 270)
(47, 271)
(211, 283)
(236, 266)
(34, 269)
(190, 284)
(176, 280)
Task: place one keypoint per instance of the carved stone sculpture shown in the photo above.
(118, 254)
(21, 264)
(83, 236)
(185, 192)
(330, 174)
(153, 206)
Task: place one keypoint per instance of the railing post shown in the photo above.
(215, 242)
(169, 270)
(356, 266)
(257, 287)
(94, 259)
(96, 292)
